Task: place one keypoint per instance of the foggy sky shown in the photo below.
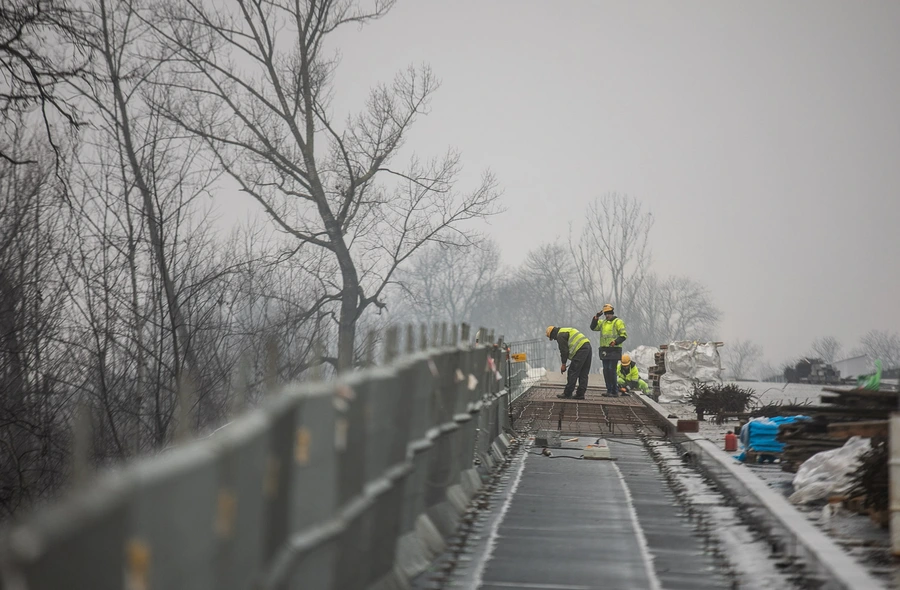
(763, 136)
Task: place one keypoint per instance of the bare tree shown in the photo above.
(828, 349)
(741, 356)
(612, 254)
(40, 49)
(254, 81)
(448, 283)
(539, 293)
(33, 308)
(767, 371)
(882, 345)
(676, 308)
(145, 263)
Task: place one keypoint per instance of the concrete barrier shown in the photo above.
(352, 484)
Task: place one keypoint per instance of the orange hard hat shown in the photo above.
(626, 359)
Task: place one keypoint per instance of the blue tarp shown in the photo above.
(759, 434)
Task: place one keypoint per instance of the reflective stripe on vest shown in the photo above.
(609, 331)
(576, 339)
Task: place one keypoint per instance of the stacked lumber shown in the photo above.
(844, 413)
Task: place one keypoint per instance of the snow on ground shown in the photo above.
(766, 393)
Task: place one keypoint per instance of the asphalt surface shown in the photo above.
(564, 523)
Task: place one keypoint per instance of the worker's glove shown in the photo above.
(562, 369)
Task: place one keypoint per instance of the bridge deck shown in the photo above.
(568, 524)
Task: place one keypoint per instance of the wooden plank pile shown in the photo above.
(844, 413)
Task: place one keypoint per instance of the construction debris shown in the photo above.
(844, 413)
(720, 400)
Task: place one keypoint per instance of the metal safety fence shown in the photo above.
(526, 364)
(352, 484)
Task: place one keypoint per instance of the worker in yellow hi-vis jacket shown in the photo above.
(575, 348)
(628, 377)
(612, 335)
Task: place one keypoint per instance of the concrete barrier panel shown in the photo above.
(173, 519)
(243, 448)
(52, 549)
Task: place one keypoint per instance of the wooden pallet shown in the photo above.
(753, 457)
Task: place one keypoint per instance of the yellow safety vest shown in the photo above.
(609, 331)
(628, 375)
(576, 340)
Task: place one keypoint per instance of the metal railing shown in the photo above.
(352, 484)
(526, 365)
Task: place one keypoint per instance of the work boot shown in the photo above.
(564, 396)
(578, 396)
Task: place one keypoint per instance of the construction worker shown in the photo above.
(574, 347)
(628, 377)
(612, 335)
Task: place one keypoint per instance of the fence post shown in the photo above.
(185, 401)
(370, 348)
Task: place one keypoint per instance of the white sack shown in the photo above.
(828, 473)
(687, 362)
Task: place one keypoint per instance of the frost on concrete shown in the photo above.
(745, 551)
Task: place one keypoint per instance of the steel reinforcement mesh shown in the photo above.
(540, 409)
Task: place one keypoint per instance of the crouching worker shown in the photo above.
(628, 377)
(575, 348)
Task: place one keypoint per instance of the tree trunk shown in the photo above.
(177, 324)
(349, 310)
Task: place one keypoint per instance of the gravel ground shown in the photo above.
(857, 534)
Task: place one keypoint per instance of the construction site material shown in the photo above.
(685, 364)
(720, 400)
(760, 437)
(828, 473)
(844, 413)
(597, 451)
(539, 410)
(687, 426)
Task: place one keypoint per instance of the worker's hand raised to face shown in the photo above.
(562, 368)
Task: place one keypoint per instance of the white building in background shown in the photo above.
(854, 366)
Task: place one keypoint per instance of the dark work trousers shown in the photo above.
(609, 375)
(579, 367)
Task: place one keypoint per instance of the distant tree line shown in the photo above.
(607, 259)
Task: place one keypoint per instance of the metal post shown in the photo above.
(894, 475)
(370, 348)
(318, 353)
(82, 438)
(271, 377)
(185, 400)
(391, 344)
(410, 339)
